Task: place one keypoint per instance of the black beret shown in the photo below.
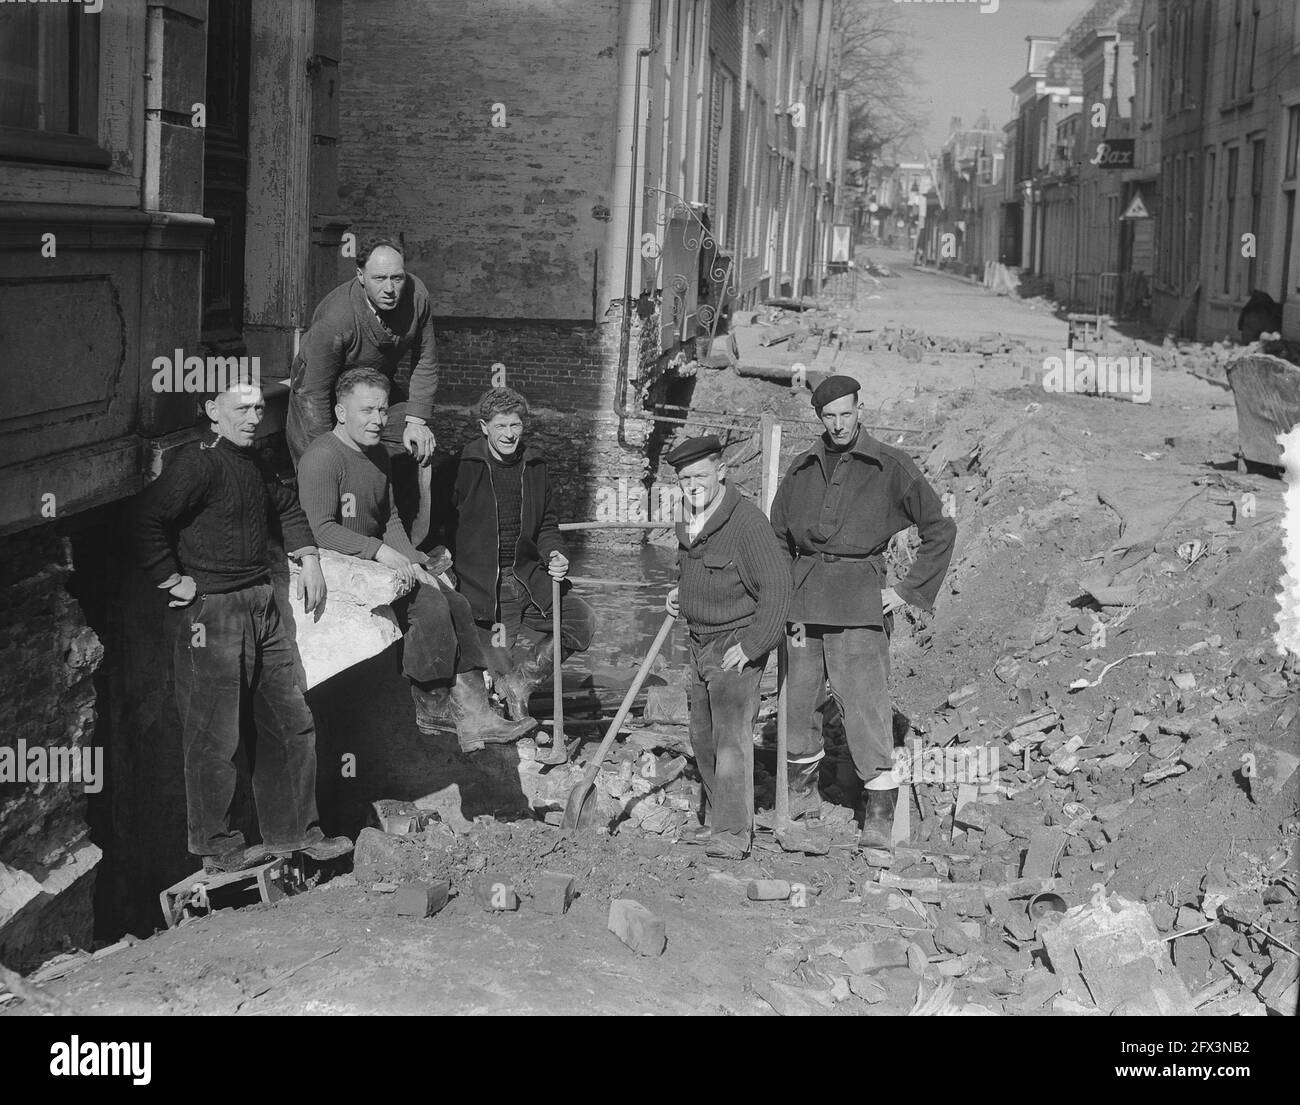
(693, 449)
(832, 388)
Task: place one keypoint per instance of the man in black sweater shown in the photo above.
(734, 589)
(345, 483)
(202, 530)
(498, 519)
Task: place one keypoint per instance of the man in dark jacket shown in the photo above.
(498, 520)
(735, 591)
(834, 513)
(201, 530)
(381, 320)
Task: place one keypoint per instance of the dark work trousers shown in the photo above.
(856, 661)
(223, 648)
(441, 638)
(724, 706)
(520, 619)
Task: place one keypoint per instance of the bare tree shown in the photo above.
(878, 73)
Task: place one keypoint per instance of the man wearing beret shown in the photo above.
(835, 512)
(734, 588)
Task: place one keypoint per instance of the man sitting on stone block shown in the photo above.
(344, 481)
(498, 517)
(201, 530)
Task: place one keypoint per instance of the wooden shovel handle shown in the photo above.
(593, 766)
(557, 676)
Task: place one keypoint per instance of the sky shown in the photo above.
(970, 58)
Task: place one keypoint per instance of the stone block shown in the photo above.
(495, 893)
(554, 893)
(767, 890)
(642, 931)
(421, 899)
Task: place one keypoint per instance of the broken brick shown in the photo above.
(638, 928)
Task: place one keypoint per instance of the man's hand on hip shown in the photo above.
(734, 657)
(419, 441)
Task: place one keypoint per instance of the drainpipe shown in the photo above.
(624, 341)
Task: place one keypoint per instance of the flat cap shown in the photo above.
(832, 388)
(693, 449)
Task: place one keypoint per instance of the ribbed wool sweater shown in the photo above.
(207, 517)
(357, 526)
(734, 575)
(508, 486)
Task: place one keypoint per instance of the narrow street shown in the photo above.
(1057, 497)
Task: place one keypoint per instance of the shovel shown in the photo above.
(579, 808)
(558, 752)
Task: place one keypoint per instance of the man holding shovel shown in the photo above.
(734, 589)
(834, 513)
(496, 512)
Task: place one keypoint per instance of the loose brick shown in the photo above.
(495, 893)
(638, 928)
(554, 893)
(421, 899)
(767, 890)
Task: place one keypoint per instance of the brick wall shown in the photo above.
(501, 222)
(48, 656)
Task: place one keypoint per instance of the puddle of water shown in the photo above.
(629, 617)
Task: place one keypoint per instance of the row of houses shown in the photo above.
(1149, 169)
(586, 186)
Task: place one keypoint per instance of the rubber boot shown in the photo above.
(517, 685)
(432, 708)
(805, 795)
(878, 819)
(477, 723)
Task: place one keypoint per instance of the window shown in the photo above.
(1234, 65)
(1292, 142)
(49, 84)
(1256, 205)
(1230, 218)
(1252, 46)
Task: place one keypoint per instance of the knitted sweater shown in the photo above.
(346, 495)
(207, 516)
(734, 576)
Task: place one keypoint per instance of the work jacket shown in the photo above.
(465, 509)
(346, 333)
(836, 533)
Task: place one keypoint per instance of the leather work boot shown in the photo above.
(727, 845)
(805, 796)
(477, 723)
(878, 819)
(517, 685)
(432, 709)
(696, 834)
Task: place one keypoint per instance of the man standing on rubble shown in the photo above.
(346, 490)
(735, 592)
(835, 512)
(497, 516)
(201, 532)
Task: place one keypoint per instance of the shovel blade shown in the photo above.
(580, 809)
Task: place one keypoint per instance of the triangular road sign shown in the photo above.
(1136, 209)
